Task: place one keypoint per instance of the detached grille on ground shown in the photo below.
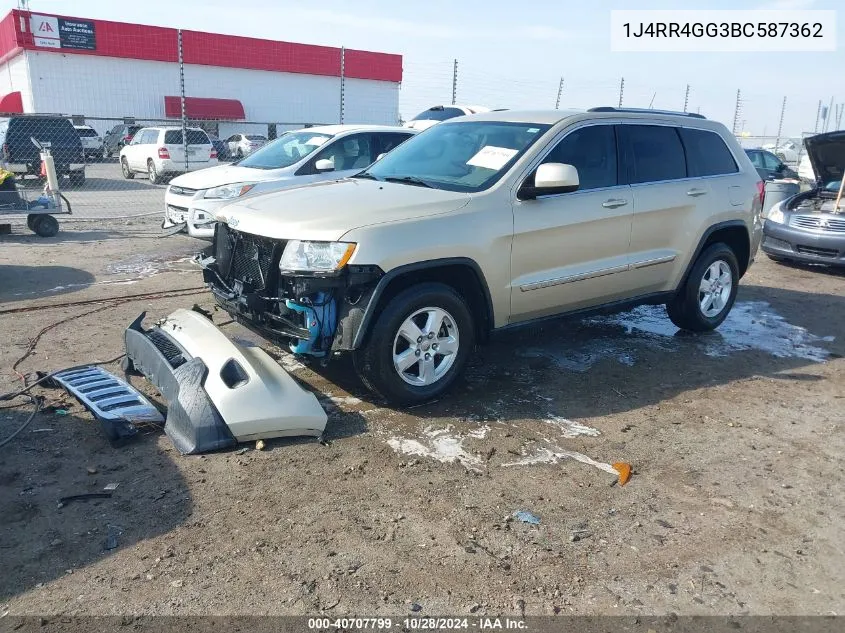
(107, 396)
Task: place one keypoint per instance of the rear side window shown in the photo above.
(86, 131)
(195, 137)
(707, 154)
(592, 151)
(654, 153)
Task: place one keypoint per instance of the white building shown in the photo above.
(108, 71)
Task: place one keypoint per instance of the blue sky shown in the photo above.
(513, 54)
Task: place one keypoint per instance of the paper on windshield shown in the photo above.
(316, 140)
(492, 157)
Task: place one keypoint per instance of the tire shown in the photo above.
(153, 175)
(45, 225)
(77, 178)
(374, 362)
(124, 167)
(30, 221)
(688, 309)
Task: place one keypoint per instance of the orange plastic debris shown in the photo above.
(624, 470)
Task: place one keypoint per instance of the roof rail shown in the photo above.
(693, 115)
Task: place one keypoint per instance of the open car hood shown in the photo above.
(827, 155)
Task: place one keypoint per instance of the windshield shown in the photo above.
(285, 151)
(466, 156)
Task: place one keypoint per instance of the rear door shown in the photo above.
(673, 197)
(570, 250)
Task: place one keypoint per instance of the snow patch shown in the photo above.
(571, 429)
(443, 445)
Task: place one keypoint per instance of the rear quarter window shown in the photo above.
(707, 154)
(654, 153)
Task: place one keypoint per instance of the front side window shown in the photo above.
(350, 152)
(770, 161)
(592, 151)
(286, 150)
(654, 153)
(707, 154)
(462, 156)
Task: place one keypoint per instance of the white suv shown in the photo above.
(327, 152)
(159, 152)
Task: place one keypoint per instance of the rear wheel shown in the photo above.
(708, 293)
(418, 346)
(30, 221)
(45, 225)
(124, 167)
(153, 174)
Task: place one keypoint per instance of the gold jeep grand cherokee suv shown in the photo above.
(490, 221)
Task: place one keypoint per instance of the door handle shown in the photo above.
(613, 203)
(696, 192)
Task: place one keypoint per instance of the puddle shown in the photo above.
(751, 325)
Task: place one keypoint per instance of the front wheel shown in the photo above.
(124, 167)
(418, 345)
(45, 225)
(709, 292)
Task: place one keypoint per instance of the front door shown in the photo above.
(570, 250)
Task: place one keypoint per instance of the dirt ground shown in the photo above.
(736, 441)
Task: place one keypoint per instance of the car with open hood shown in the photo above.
(810, 226)
(296, 158)
(486, 222)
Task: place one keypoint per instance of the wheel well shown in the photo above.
(736, 237)
(461, 277)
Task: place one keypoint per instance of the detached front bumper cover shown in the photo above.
(219, 393)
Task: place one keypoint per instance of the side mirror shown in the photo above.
(324, 164)
(382, 155)
(551, 178)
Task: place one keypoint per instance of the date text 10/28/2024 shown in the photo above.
(417, 624)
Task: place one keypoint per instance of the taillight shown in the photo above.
(213, 153)
(761, 189)
(127, 138)
(163, 153)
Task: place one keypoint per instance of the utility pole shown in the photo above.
(559, 91)
(839, 116)
(182, 101)
(455, 82)
(621, 90)
(686, 98)
(651, 103)
(829, 115)
(737, 109)
(818, 114)
(780, 123)
(342, 81)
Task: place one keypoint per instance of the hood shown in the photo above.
(827, 155)
(325, 211)
(226, 175)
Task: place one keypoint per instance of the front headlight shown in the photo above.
(322, 257)
(226, 192)
(776, 214)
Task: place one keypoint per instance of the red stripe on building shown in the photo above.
(154, 43)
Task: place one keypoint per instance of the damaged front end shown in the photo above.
(218, 393)
(314, 313)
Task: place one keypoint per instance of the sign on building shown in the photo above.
(52, 32)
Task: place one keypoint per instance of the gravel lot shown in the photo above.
(736, 441)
